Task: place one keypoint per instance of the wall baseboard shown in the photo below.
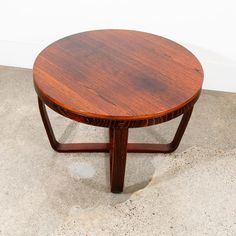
(19, 54)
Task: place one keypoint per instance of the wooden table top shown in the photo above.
(117, 75)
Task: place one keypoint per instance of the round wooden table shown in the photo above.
(118, 79)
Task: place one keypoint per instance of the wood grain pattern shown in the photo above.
(118, 78)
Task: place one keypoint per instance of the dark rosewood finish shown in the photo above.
(118, 79)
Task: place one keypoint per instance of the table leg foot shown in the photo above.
(118, 152)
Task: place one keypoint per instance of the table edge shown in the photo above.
(118, 121)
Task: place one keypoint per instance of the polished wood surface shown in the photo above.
(117, 78)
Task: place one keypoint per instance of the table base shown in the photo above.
(118, 146)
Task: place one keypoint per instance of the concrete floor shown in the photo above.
(189, 192)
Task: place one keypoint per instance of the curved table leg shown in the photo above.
(68, 147)
(163, 148)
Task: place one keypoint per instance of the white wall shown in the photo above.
(206, 27)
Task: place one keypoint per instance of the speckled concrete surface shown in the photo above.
(189, 192)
